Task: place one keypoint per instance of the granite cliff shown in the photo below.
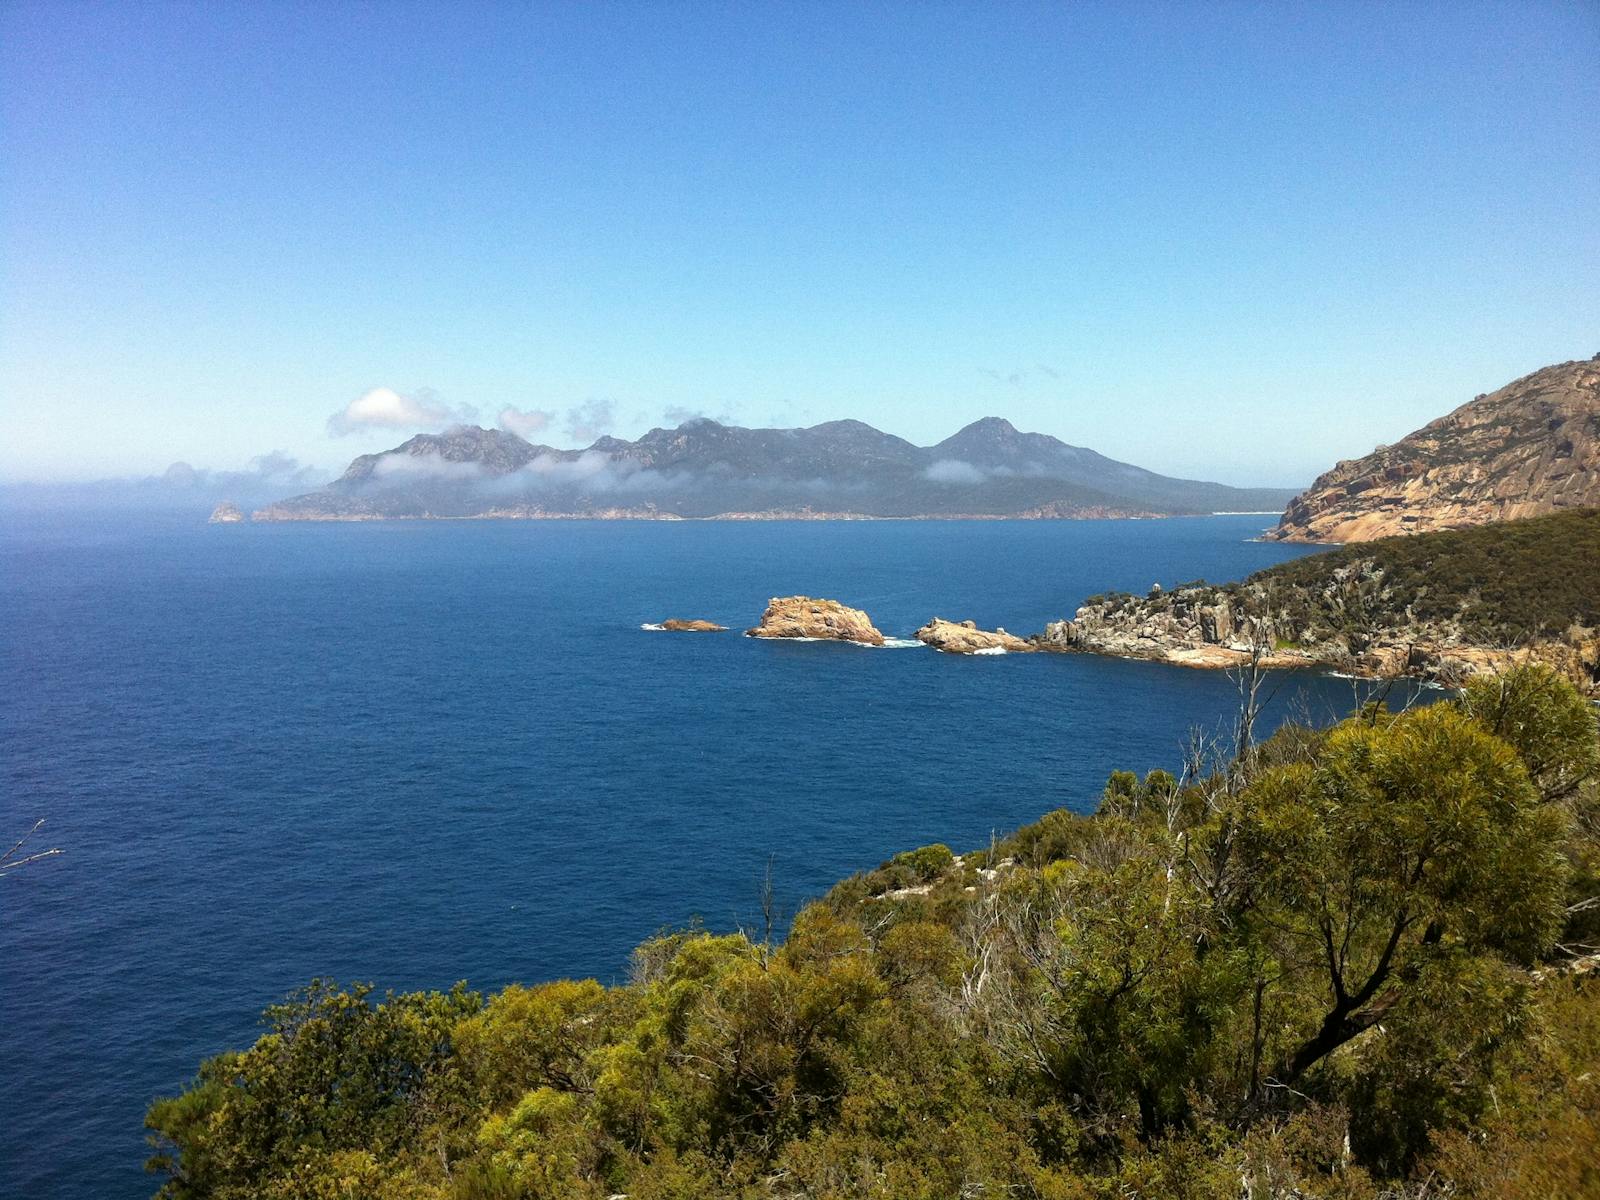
(1532, 447)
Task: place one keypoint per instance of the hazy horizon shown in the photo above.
(1221, 243)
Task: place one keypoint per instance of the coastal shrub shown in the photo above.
(531, 1037)
(1056, 835)
(1343, 966)
(334, 1072)
(925, 863)
(1552, 728)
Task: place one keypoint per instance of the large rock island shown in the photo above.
(1532, 447)
(1439, 606)
(828, 620)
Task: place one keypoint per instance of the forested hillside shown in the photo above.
(1343, 963)
(1507, 583)
(1442, 606)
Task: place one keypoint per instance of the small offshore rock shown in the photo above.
(675, 625)
(226, 513)
(805, 617)
(964, 637)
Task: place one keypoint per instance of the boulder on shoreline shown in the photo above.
(964, 637)
(804, 617)
(675, 625)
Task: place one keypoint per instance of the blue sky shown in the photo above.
(1231, 241)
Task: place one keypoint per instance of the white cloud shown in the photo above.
(385, 408)
(953, 470)
(525, 422)
(427, 466)
(279, 464)
(592, 470)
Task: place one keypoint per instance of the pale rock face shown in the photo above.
(803, 617)
(226, 513)
(1176, 627)
(1533, 447)
(964, 637)
(1216, 622)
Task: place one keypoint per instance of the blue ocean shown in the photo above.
(414, 753)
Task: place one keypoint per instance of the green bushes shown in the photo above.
(1506, 583)
(1328, 972)
(925, 864)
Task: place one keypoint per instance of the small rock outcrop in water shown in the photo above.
(803, 617)
(226, 513)
(964, 637)
(1532, 447)
(695, 626)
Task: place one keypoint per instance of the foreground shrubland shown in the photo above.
(1342, 963)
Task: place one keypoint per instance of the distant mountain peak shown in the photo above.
(704, 468)
(494, 450)
(847, 425)
(991, 426)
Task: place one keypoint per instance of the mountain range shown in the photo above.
(705, 469)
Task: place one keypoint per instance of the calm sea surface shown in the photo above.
(414, 753)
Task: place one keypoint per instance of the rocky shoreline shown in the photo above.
(1223, 628)
(1201, 626)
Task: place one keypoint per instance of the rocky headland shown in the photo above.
(1439, 607)
(804, 617)
(1184, 632)
(964, 637)
(1533, 447)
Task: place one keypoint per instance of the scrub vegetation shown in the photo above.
(1506, 583)
(1352, 962)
